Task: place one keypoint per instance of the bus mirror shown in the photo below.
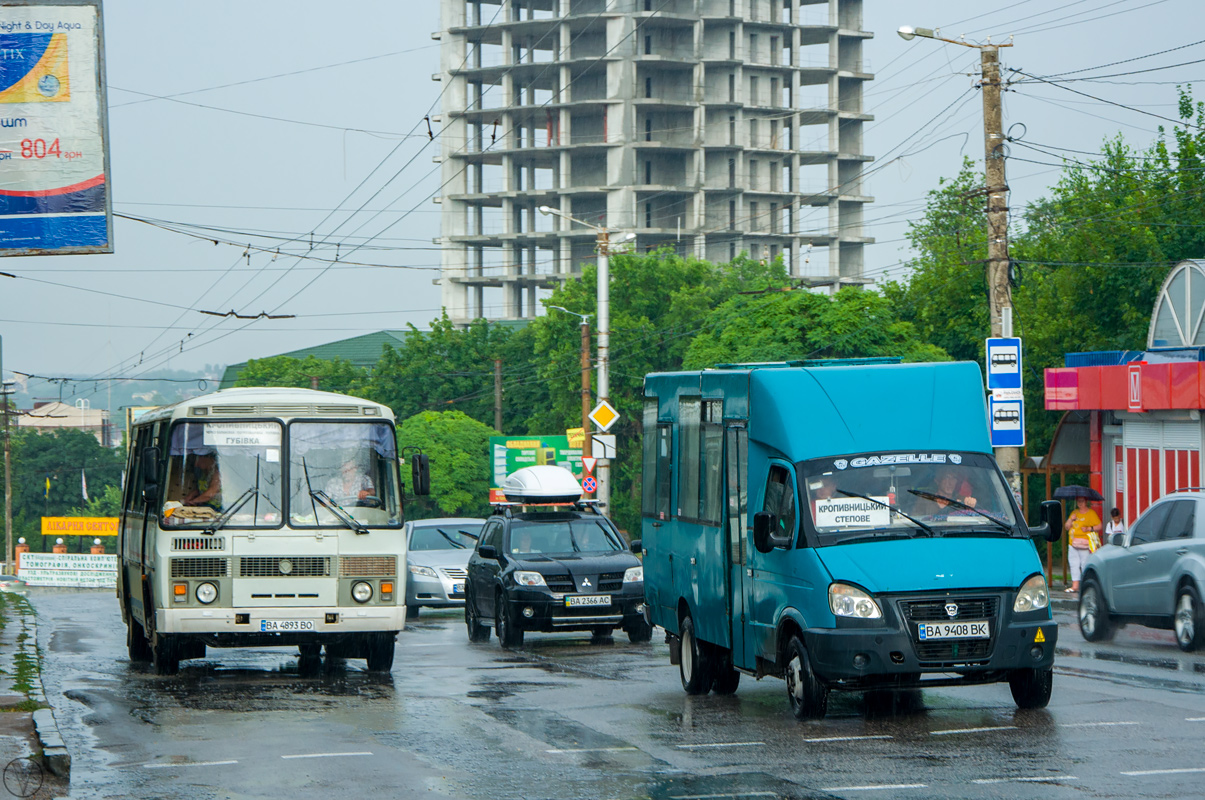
(150, 475)
(420, 474)
(763, 525)
(1051, 527)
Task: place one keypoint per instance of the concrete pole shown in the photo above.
(604, 357)
(585, 387)
(498, 395)
(8, 473)
(999, 291)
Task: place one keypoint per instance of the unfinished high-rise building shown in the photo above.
(714, 127)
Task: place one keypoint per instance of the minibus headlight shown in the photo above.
(633, 574)
(1032, 596)
(361, 592)
(850, 601)
(207, 593)
(529, 578)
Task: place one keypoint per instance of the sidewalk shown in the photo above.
(33, 766)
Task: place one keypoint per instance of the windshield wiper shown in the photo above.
(959, 504)
(338, 510)
(452, 541)
(227, 515)
(890, 507)
(876, 537)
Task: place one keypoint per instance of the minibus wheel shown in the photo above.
(808, 697)
(379, 652)
(726, 677)
(165, 655)
(136, 643)
(1031, 687)
(695, 667)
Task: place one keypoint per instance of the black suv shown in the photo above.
(556, 570)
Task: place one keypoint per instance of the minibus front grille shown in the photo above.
(199, 543)
(367, 566)
(200, 567)
(969, 608)
(952, 652)
(298, 567)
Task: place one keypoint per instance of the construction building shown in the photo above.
(712, 126)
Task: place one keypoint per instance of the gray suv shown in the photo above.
(1151, 575)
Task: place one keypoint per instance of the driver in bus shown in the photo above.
(206, 483)
(351, 482)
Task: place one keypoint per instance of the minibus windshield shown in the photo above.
(866, 495)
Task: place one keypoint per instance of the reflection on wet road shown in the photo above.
(562, 718)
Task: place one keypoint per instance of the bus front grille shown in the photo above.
(367, 566)
(199, 567)
(293, 567)
(199, 543)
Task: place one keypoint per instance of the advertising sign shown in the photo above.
(68, 569)
(510, 453)
(54, 161)
(79, 526)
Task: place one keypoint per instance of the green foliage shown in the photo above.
(334, 375)
(458, 447)
(105, 504)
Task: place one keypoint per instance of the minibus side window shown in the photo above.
(665, 473)
(648, 487)
(780, 499)
(689, 414)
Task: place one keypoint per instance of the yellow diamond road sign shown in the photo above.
(604, 415)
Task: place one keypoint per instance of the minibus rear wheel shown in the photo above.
(696, 666)
(136, 643)
(807, 695)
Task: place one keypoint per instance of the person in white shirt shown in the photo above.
(1114, 525)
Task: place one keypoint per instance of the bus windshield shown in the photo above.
(350, 465)
(215, 469)
(875, 494)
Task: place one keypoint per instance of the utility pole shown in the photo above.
(999, 290)
(585, 318)
(498, 395)
(8, 473)
(604, 357)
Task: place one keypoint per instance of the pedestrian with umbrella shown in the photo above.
(1083, 527)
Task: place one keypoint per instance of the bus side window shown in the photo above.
(780, 499)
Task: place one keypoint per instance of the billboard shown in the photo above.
(54, 155)
(509, 453)
(79, 526)
(68, 569)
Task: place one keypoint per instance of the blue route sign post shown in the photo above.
(1006, 407)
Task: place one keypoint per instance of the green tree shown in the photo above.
(333, 375)
(458, 448)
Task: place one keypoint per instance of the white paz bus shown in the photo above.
(262, 517)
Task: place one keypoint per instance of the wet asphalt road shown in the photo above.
(562, 718)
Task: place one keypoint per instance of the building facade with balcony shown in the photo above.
(711, 126)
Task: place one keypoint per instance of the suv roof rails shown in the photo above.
(1191, 489)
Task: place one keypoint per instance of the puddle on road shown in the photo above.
(1166, 663)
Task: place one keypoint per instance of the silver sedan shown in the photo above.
(438, 553)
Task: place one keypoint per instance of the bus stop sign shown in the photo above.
(1004, 363)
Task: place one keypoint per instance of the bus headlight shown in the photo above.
(207, 593)
(361, 592)
(1032, 596)
(850, 601)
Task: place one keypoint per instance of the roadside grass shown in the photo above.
(26, 660)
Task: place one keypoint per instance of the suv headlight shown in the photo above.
(416, 569)
(1032, 596)
(529, 578)
(633, 574)
(850, 601)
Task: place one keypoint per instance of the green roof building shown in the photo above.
(361, 351)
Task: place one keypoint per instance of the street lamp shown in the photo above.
(585, 378)
(999, 294)
(604, 330)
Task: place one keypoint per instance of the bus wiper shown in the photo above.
(227, 515)
(959, 504)
(876, 537)
(890, 507)
(338, 510)
(451, 541)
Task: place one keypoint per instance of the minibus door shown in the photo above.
(736, 456)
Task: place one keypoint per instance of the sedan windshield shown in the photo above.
(870, 495)
(563, 537)
(445, 537)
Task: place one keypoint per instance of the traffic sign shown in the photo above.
(604, 415)
(588, 466)
(1007, 422)
(1004, 363)
(589, 485)
(603, 445)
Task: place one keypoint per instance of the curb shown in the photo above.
(54, 751)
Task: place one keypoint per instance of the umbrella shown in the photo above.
(1073, 490)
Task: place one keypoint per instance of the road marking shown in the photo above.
(973, 730)
(189, 764)
(875, 788)
(327, 755)
(844, 739)
(1165, 771)
(594, 750)
(1035, 779)
(1094, 724)
(718, 796)
(719, 744)
(1194, 719)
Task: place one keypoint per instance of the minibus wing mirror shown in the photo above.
(1051, 527)
(764, 538)
(420, 474)
(150, 475)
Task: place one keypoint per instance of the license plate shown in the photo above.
(285, 625)
(588, 600)
(953, 630)
(458, 588)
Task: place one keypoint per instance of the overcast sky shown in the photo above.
(287, 118)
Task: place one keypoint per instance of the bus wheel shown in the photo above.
(1031, 687)
(639, 632)
(137, 645)
(309, 650)
(380, 647)
(165, 655)
(726, 677)
(695, 667)
(808, 697)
